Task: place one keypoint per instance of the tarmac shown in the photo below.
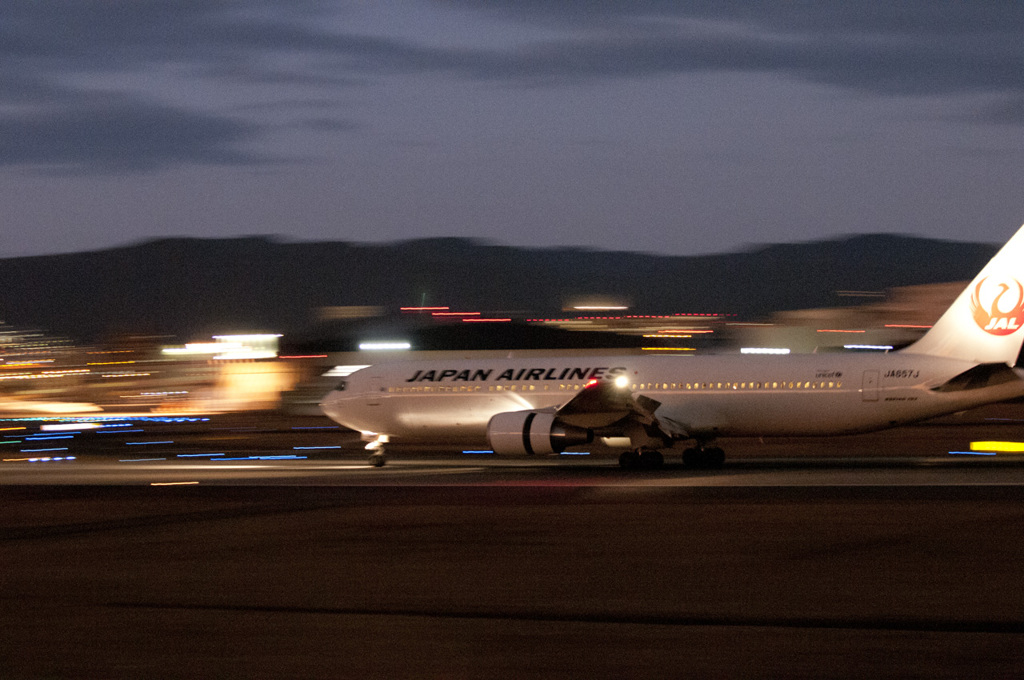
(897, 560)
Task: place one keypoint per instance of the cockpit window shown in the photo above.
(340, 387)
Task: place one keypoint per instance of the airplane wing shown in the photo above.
(601, 403)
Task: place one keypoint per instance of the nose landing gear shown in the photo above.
(378, 457)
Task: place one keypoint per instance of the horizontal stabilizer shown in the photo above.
(985, 375)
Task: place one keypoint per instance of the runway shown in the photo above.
(264, 449)
(880, 555)
(434, 470)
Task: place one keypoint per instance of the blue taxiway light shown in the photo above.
(310, 448)
(42, 450)
(198, 455)
(146, 443)
(972, 453)
(479, 452)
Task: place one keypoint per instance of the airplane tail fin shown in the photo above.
(984, 323)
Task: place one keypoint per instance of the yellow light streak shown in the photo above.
(171, 483)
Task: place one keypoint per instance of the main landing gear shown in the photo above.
(641, 459)
(695, 458)
(701, 458)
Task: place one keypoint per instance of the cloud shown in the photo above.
(76, 92)
(1010, 111)
(65, 55)
(914, 47)
(119, 134)
(935, 17)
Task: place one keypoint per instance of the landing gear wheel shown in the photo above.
(651, 460)
(641, 459)
(378, 459)
(711, 458)
(629, 460)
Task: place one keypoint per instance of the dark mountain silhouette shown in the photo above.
(190, 288)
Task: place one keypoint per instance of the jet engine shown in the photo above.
(533, 432)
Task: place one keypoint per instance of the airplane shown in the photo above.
(644, 404)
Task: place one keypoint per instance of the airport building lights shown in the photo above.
(230, 347)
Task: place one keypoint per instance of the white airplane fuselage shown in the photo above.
(529, 405)
(717, 395)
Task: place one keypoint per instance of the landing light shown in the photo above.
(345, 370)
(385, 346)
(764, 350)
(621, 381)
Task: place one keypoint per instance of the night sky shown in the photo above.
(648, 125)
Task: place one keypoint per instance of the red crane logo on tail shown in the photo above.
(998, 305)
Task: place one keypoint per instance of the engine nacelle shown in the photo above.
(532, 432)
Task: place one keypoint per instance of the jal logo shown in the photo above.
(998, 305)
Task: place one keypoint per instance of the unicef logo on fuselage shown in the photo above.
(997, 305)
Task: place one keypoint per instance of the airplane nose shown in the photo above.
(331, 404)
